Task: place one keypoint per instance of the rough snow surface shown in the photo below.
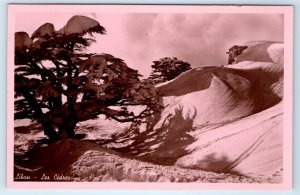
(100, 166)
(76, 160)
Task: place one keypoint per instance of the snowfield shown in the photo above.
(218, 124)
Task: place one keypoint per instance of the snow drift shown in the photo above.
(237, 113)
(223, 119)
(220, 94)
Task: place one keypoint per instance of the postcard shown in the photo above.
(184, 97)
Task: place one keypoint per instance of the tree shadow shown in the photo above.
(29, 129)
(163, 145)
(215, 164)
(52, 160)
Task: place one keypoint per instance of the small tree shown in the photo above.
(233, 52)
(167, 69)
(58, 83)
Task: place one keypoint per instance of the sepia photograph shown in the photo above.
(158, 96)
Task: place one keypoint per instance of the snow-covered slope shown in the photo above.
(223, 119)
(226, 93)
(216, 94)
(262, 51)
(226, 119)
(207, 107)
(217, 98)
(250, 146)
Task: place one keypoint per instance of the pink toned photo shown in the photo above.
(150, 97)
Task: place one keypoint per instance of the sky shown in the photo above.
(140, 38)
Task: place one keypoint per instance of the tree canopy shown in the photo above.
(167, 69)
(58, 83)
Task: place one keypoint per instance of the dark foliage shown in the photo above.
(167, 69)
(58, 83)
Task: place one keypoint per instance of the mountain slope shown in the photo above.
(221, 93)
(219, 98)
(250, 146)
(215, 97)
(224, 119)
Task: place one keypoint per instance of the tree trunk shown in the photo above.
(66, 126)
(66, 130)
(70, 125)
(50, 131)
(47, 124)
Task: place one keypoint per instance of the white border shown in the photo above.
(288, 44)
